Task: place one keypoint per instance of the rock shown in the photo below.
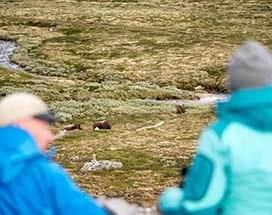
(118, 206)
(199, 87)
(98, 165)
(60, 134)
(75, 158)
(52, 29)
(122, 207)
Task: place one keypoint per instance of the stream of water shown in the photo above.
(6, 50)
(204, 99)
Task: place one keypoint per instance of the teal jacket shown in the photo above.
(231, 173)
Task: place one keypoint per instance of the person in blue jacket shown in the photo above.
(231, 173)
(30, 183)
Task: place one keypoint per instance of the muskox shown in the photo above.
(72, 127)
(180, 108)
(102, 125)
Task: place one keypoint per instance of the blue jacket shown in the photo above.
(32, 184)
(232, 171)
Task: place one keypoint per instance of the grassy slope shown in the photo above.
(105, 56)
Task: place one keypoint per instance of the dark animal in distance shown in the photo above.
(180, 108)
(72, 127)
(102, 125)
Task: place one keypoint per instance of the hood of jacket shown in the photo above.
(16, 150)
(252, 107)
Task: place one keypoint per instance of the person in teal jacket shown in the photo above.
(30, 183)
(231, 173)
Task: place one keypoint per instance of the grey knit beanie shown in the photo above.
(250, 67)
